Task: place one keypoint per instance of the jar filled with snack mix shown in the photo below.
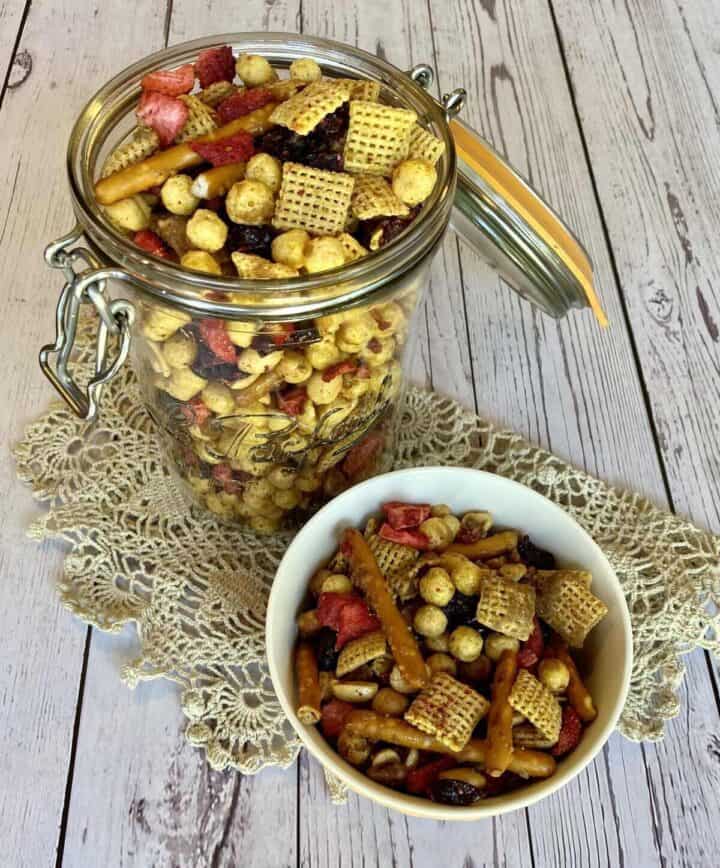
(259, 213)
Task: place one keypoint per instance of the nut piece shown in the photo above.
(289, 248)
(355, 691)
(430, 621)
(465, 644)
(436, 587)
(384, 756)
(477, 670)
(463, 773)
(206, 231)
(323, 254)
(132, 214)
(180, 350)
(438, 643)
(496, 643)
(200, 260)
(389, 774)
(305, 69)
(442, 663)
(250, 202)
(254, 70)
(266, 169)
(353, 748)
(336, 583)
(554, 674)
(438, 533)
(397, 682)
(413, 181)
(219, 398)
(177, 197)
(389, 701)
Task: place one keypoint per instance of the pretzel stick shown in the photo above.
(402, 643)
(157, 168)
(379, 727)
(488, 547)
(578, 695)
(499, 726)
(217, 181)
(308, 681)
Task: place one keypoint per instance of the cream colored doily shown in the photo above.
(196, 589)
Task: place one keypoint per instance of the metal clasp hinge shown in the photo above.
(116, 318)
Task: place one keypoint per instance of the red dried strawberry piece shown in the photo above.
(165, 114)
(348, 614)
(292, 401)
(171, 82)
(363, 372)
(531, 650)
(151, 243)
(570, 732)
(413, 538)
(223, 474)
(213, 333)
(215, 64)
(468, 535)
(362, 454)
(346, 367)
(237, 148)
(281, 332)
(419, 780)
(195, 411)
(402, 515)
(242, 103)
(334, 715)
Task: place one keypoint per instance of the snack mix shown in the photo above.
(233, 171)
(435, 654)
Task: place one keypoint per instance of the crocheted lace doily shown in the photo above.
(196, 589)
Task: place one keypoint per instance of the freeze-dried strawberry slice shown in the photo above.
(404, 515)
(292, 401)
(171, 82)
(362, 454)
(413, 538)
(151, 243)
(223, 474)
(280, 333)
(346, 367)
(237, 148)
(242, 103)
(165, 114)
(531, 650)
(215, 64)
(348, 614)
(570, 732)
(213, 333)
(195, 411)
(334, 715)
(419, 780)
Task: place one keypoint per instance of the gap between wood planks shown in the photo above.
(624, 306)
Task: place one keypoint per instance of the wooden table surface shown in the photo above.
(611, 109)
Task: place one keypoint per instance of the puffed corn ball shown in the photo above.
(252, 362)
(442, 663)
(266, 169)
(294, 367)
(357, 331)
(554, 674)
(467, 577)
(183, 384)
(132, 214)
(206, 231)
(177, 197)
(200, 260)
(323, 253)
(336, 583)
(496, 643)
(440, 510)
(250, 202)
(437, 532)
(159, 323)
(439, 643)
(289, 500)
(430, 621)
(218, 398)
(180, 350)
(254, 70)
(289, 247)
(305, 69)
(436, 587)
(465, 644)
(322, 392)
(413, 181)
(323, 353)
(452, 524)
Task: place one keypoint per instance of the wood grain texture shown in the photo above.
(11, 16)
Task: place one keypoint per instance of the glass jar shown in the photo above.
(272, 396)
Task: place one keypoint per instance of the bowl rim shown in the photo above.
(415, 806)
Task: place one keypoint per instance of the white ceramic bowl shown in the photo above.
(607, 655)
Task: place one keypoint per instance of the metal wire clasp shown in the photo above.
(116, 318)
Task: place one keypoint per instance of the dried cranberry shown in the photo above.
(334, 126)
(326, 160)
(451, 792)
(532, 556)
(324, 643)
(209, 367)
(250, 239)
(283, 144)
(460, 611)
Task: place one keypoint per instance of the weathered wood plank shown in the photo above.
(11, 16)
(566, 385)
(42, 645)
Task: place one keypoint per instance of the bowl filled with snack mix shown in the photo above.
(448, 642)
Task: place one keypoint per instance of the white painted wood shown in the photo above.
(11, 13)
